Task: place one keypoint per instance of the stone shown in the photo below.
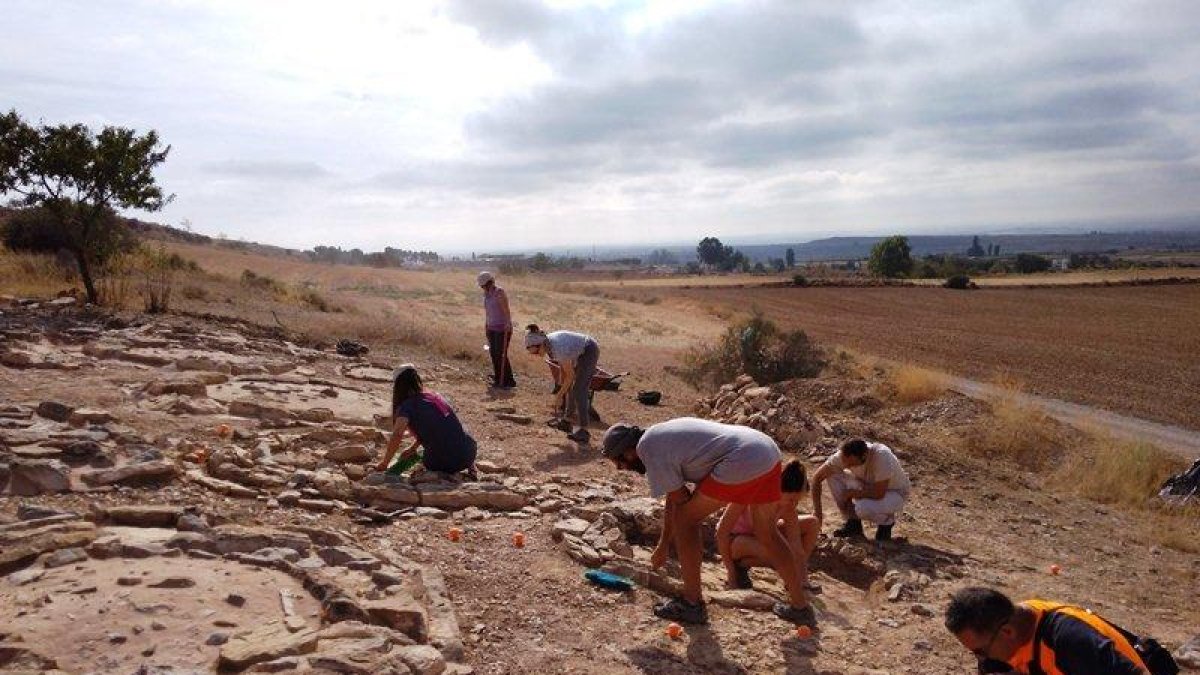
(26, 576)
(482, 495)
(26, 511)
(743, 599)
(184, 386)
(1188, 654)
(924, 610)
(240, 539)
(333, 485)
(318, 505)
(423, 659)
(235, 599)
(278, 553)
(87, 416)
(20, 547)
(144, 516)
(340, 555)
(400, 612)
(189, 521)
(31, 477)
(217, 638)
(354, 454)
(174, 582)
(64, 556)
(514, 418)
(140, 473)
(53, 410)
(129, 581)
(569, 526)
(265, 643)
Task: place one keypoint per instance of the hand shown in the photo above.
(658, 558)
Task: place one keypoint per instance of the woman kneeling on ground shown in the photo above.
(577, 355)
(735, 533)
(432, 423)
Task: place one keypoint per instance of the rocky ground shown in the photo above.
(187, 495)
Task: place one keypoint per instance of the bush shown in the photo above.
(312, 298)
(156, 269)
(799, 280)
(755, 347)
(194, 293)
(262, 282)
(959, 282)
(909, 384)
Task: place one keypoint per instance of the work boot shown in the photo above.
(883, 533)
(852, 528)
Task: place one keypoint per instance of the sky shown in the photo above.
(493, 125)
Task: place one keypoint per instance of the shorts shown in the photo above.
(762, 490)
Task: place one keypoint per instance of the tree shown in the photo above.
(79, 179)
(1028, 263)
(891, 257)
(975, 250)
(790, 257)
(710, 251)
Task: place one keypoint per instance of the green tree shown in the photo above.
(790, 257)
(891, 257)
(79, 178)
(975, 250)
(1028, 263)
(711, 251)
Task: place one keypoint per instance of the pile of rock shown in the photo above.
(746, 403)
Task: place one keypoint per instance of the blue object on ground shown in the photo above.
(608, 580)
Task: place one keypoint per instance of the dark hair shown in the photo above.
(855, 447)
(532, 328)
(407, 384)
(794, 478)
(983, 610)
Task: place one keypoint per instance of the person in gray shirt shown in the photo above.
(727, 464)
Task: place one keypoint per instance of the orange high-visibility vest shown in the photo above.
(1045, 658)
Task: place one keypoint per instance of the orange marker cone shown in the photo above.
(519, 539)
(454, 534)
(674, 631)
(803, 632)
(1055, 569)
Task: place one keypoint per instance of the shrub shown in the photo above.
(799, 280)
(1117, 472)
(959, 282)
(758, 348)
(312, 298)
(262, 282)
(156, 271)
(1016, 431)
(194, 293)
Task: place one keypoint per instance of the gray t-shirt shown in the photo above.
(688, 449)
(566, 345)
(881, 464)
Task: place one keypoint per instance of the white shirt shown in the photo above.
(881, 464)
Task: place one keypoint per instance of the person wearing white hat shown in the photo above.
(432, 423)
(499, 328)
(577, 355)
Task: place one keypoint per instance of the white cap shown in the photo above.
(483, 278)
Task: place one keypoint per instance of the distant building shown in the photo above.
(1060, 264)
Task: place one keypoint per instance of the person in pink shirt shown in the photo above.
(499, 329)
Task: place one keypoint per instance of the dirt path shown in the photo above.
(1183, 442)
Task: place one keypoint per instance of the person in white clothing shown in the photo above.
(867, 483)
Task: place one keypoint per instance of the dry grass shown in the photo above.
(1016, 431)
(30, 275)
(908, 384)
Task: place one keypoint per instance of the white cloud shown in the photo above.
(518, 123)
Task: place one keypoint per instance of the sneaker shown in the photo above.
(801, 616)
(852, 528)
(560, 424)
(580, 436)
(742, 574)
(883, 533)
(678, 609)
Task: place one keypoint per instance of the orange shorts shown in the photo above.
(762, 490)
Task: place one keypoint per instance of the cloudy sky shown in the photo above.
(497, 124)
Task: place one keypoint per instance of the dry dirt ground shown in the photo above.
(528, 609)
(1130, 349)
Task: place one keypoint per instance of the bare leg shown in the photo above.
(777, 551)
(688, 545)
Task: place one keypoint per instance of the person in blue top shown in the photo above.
(431, 422)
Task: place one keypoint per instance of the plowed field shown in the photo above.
(1129, 349)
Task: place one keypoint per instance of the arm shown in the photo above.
(675, 500)
(566, 371)
(725, 536)
(817, 480)
(873, 491)
(503, 298)
(399, 427)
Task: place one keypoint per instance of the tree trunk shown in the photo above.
(85, 273)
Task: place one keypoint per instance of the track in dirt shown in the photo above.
(1129, 349)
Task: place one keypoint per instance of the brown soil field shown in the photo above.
(1128, 349)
